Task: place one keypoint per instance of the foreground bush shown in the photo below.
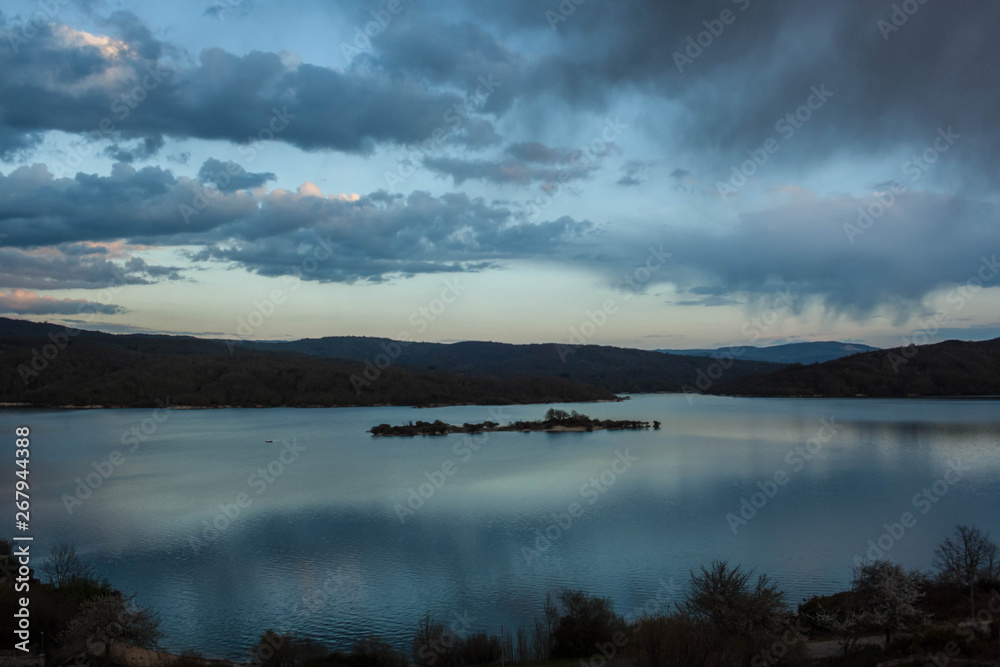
(586, 622)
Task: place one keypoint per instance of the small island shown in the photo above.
(555, 421)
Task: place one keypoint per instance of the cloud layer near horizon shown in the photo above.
(500, 102)
(366, 237)
(22, 302)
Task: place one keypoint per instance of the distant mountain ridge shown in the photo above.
(805, 352)
(614, 368)
(951, 368)
(44, 365)
(48, 365)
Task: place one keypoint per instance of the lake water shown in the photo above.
(324, 549)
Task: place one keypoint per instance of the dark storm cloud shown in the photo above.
(889, 81)
(889, 91)
(229, 176)
(135, 33)
(38, 209)
(892, 88)
(533, 151)
(57, 80)
(363, 238)
(683, 180)
(923, 242)
(14, 143)
(379, 236)
(633, 173)
(505, 171)
(816, 248)
(456, 54)
(142, 150)
(476, 133)
(75, 267)
(522, 164)
(223, 9)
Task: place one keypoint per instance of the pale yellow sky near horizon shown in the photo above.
(525, 302)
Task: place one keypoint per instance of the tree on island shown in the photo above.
(554, 415)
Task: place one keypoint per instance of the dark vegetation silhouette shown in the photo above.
(146, 371)
(46, 366)
(93, 368)
(554, 420)
(616, 369)
(951, 368)
(79, 615)
(728, 616)
(802, 352)
(883, 597)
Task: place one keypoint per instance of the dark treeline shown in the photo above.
(45, 364)
(726, 616)
(50, 365)
(146, 371)
(951, 368)
(617, 369)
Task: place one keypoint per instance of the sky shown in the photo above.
(651, 174)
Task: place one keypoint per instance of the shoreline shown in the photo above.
(986, 397)
(36, 406)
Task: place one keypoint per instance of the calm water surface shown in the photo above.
(324, 549)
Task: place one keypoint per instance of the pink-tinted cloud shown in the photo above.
(24, 302)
